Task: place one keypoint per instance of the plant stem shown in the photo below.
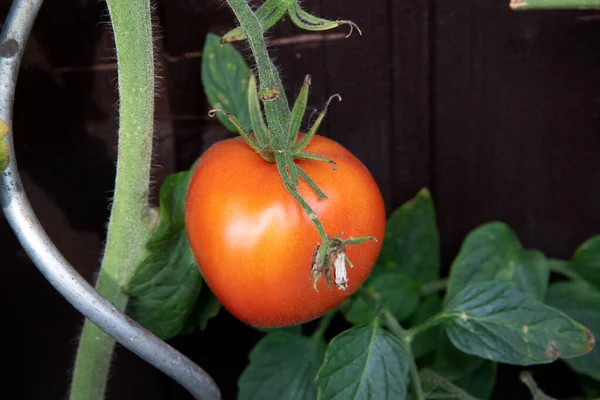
(319, 333)
(277, 110)
(428, 324)
(434, 287)
(554, 4)
(562, 267)
(402, 336)
(129, 221)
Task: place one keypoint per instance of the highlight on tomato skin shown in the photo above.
(254, 244)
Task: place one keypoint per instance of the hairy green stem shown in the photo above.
(129, 221)
(434, 287)
(401, 334)
(554, 4)
(277, 109)
(562, 267)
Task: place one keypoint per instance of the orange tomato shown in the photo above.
(254, 244)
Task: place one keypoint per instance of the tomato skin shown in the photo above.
(254, 244)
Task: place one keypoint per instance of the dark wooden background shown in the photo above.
(496, 112)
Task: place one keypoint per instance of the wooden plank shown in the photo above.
(410, 146)
(359, 68)
(516, 133)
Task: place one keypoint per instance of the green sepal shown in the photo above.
(316, 157)
(313, 130)
(298, 112)
(238, 126)
(311, 183)
(256, 116)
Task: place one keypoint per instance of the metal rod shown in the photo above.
(46, 256)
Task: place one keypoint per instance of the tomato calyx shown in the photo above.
(330, 260)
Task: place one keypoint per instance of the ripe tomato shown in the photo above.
(254, 244)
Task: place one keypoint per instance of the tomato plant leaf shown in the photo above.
(365, 362)
(207, 306)
(166, 284)
(395, 291)
(411, 241)
(493, 252)
(496, 321)
(4, 151)
(436, 386)
(582, 303)
(586, 260)
(426, 342)
(282, 366)
(225, 77)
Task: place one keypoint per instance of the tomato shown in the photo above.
(254, 244)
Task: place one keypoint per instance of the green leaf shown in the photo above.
(207, 306)
(496, 321)
(166, 284)
(282, 366)
(365, 362)
(225, 77)
(395, 291)
(4, 155)
(436, 386)
(426, 342)
(582, 303)
(411, 241)
(493, 252)
(586, 260)
(4, 151)
(480, 382)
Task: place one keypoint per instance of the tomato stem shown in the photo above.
(434, 287)
(562, 267)
(394, 326)
(403, 336)
(324, 323)
(130, 219)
